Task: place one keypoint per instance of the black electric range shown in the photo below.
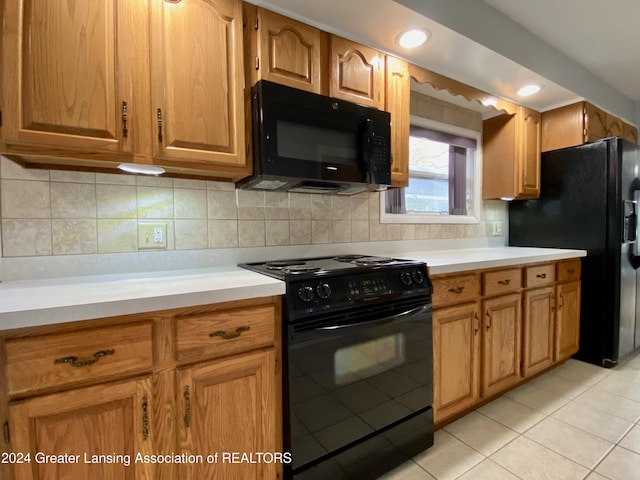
(357, 357)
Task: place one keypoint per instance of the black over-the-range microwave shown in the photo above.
(305, 142)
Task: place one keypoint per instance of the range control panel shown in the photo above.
(332, 293)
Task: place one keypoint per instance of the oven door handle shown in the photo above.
(406, 315)
(302, 335)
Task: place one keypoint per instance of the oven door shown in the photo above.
(348, 379)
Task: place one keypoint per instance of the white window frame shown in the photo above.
(475, 183)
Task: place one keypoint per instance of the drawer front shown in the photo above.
(226, 332)
(568, 271)
(455, 289)
(539, 275)
(502, 281)
(84, 357)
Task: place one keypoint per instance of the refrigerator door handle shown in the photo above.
(630, 221)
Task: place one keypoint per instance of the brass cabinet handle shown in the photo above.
(504, 282)
(145, 418)
(73, 360)
(125, 115)
(228, 336)
(541, 275)
(561, 302)
(187, 407)
(159, 115)
(475, 332)
(457, 289)
(489, 322)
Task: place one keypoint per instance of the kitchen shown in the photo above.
(208, 223)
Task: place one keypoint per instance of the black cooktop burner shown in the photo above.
(373, 260)
(283, 264)
(297, 268)
(348, 258)
(302, 268)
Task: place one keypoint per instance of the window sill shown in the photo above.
(421, 218)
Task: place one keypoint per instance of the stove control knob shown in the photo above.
(305, 293)
(418, 277)
(323, 290)
(405, 278)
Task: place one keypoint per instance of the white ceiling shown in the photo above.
(602, 36)
(574, 48)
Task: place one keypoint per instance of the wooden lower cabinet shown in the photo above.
(538, 325)
(228, 406)
(567, 339)
(456, 347)
(501, 343)
(206, 382)
(494, 329)
(65, 432)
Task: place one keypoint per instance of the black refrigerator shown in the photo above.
(589, 198)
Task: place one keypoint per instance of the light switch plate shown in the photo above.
(152, 235)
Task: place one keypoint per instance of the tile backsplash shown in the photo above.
(52, 212)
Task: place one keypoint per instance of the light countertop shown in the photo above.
(58, 300)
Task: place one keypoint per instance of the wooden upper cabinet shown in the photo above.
(397, 103)
(529, 155)
(66, 73)
(581, 123)
(357, 73)
(630, 133)
(197, 84)
(283, 50)
(511, 155)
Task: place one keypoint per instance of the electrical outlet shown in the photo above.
(497, 228)
(152, 235)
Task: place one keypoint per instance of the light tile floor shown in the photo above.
(578, 421)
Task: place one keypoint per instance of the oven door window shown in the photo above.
(368, 358)
(347, 383)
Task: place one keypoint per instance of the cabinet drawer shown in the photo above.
(455, 289)
(226, 332)
(539, 275)
(568, 271)
(502, 281)
(54, 361)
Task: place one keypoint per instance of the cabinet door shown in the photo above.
(228, 406)
(197, 84)
(357, 73)
(397, 100)
(501, 358)
(111, 419)
(630, 133)
(67, 71)
(529, 157)
(288, 52)
(615, 126)
(538, 329)
(567, 320)
(595, 123)
(456, 359)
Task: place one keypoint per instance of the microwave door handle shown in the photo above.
(366, 145)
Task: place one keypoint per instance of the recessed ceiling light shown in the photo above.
(528, 90)
(413, 38)
(141, 169)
